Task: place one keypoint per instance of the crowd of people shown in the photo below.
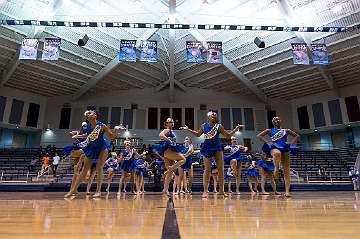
(171, 161)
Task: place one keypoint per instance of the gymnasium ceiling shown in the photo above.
(247, 70)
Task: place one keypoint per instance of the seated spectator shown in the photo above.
(322, 173)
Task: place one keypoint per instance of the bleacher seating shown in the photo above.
(14, 165)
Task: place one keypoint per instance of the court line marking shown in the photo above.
(170, 227)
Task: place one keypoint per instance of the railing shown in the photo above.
(295, 173)
(42, 172)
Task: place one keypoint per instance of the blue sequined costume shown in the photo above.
(140, 166)
(267, 165)
(95, 142)
(76, 145)
(251, 170)
(166, 144)
(111, 163)
(279, 141)
(212, 142)
(187, 165)
(128, 162)
(235, 153)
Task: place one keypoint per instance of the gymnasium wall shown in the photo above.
(328, 118)
(17, 125)
(252, 112)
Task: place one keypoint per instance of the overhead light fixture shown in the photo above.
(316, 130)
(260, 43)
(336, 9)
(83, 40)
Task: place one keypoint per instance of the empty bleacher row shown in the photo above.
(14, 165)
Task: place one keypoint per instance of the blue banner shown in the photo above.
(148, 51)
(300, 54)
(215, 53)
(195, 52)
(28, 50)
(127, 50)
(319, 54)
(51, 51)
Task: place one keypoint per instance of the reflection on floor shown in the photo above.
(306, 215)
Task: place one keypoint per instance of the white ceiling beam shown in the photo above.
(207, 78)
(171, 51)
(212, 67)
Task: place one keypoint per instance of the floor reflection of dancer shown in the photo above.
(95, 149)
(212, 147)
(279, 149)
(236, 158)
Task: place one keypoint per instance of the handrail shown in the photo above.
(296, 174)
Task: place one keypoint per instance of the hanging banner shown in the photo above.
(319, 54)
(215, 54)
(127, 50)
(300, 54)
(28, 50)
(51, 51)
(148, 51)
(195, 52)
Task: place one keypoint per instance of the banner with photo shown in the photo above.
(127, 50)
(195, 52)
(215, 53)
(51, 51)
(28, 50)
(319, 54)
(300, 54)
(148, 51)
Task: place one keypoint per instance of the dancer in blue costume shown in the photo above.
(230, 174)
(237, 157)
(76, 153)
(95, 149)
(212, 147)
(141, 172)
(214, 174)
(252, 174)
(127, 158)
(279, 149)
(186, 168)
(171, 152)
(266, 166)
(111, 166)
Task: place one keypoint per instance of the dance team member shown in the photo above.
(279, 149)
(212, 147)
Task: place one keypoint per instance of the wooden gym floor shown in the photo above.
(305, 215)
